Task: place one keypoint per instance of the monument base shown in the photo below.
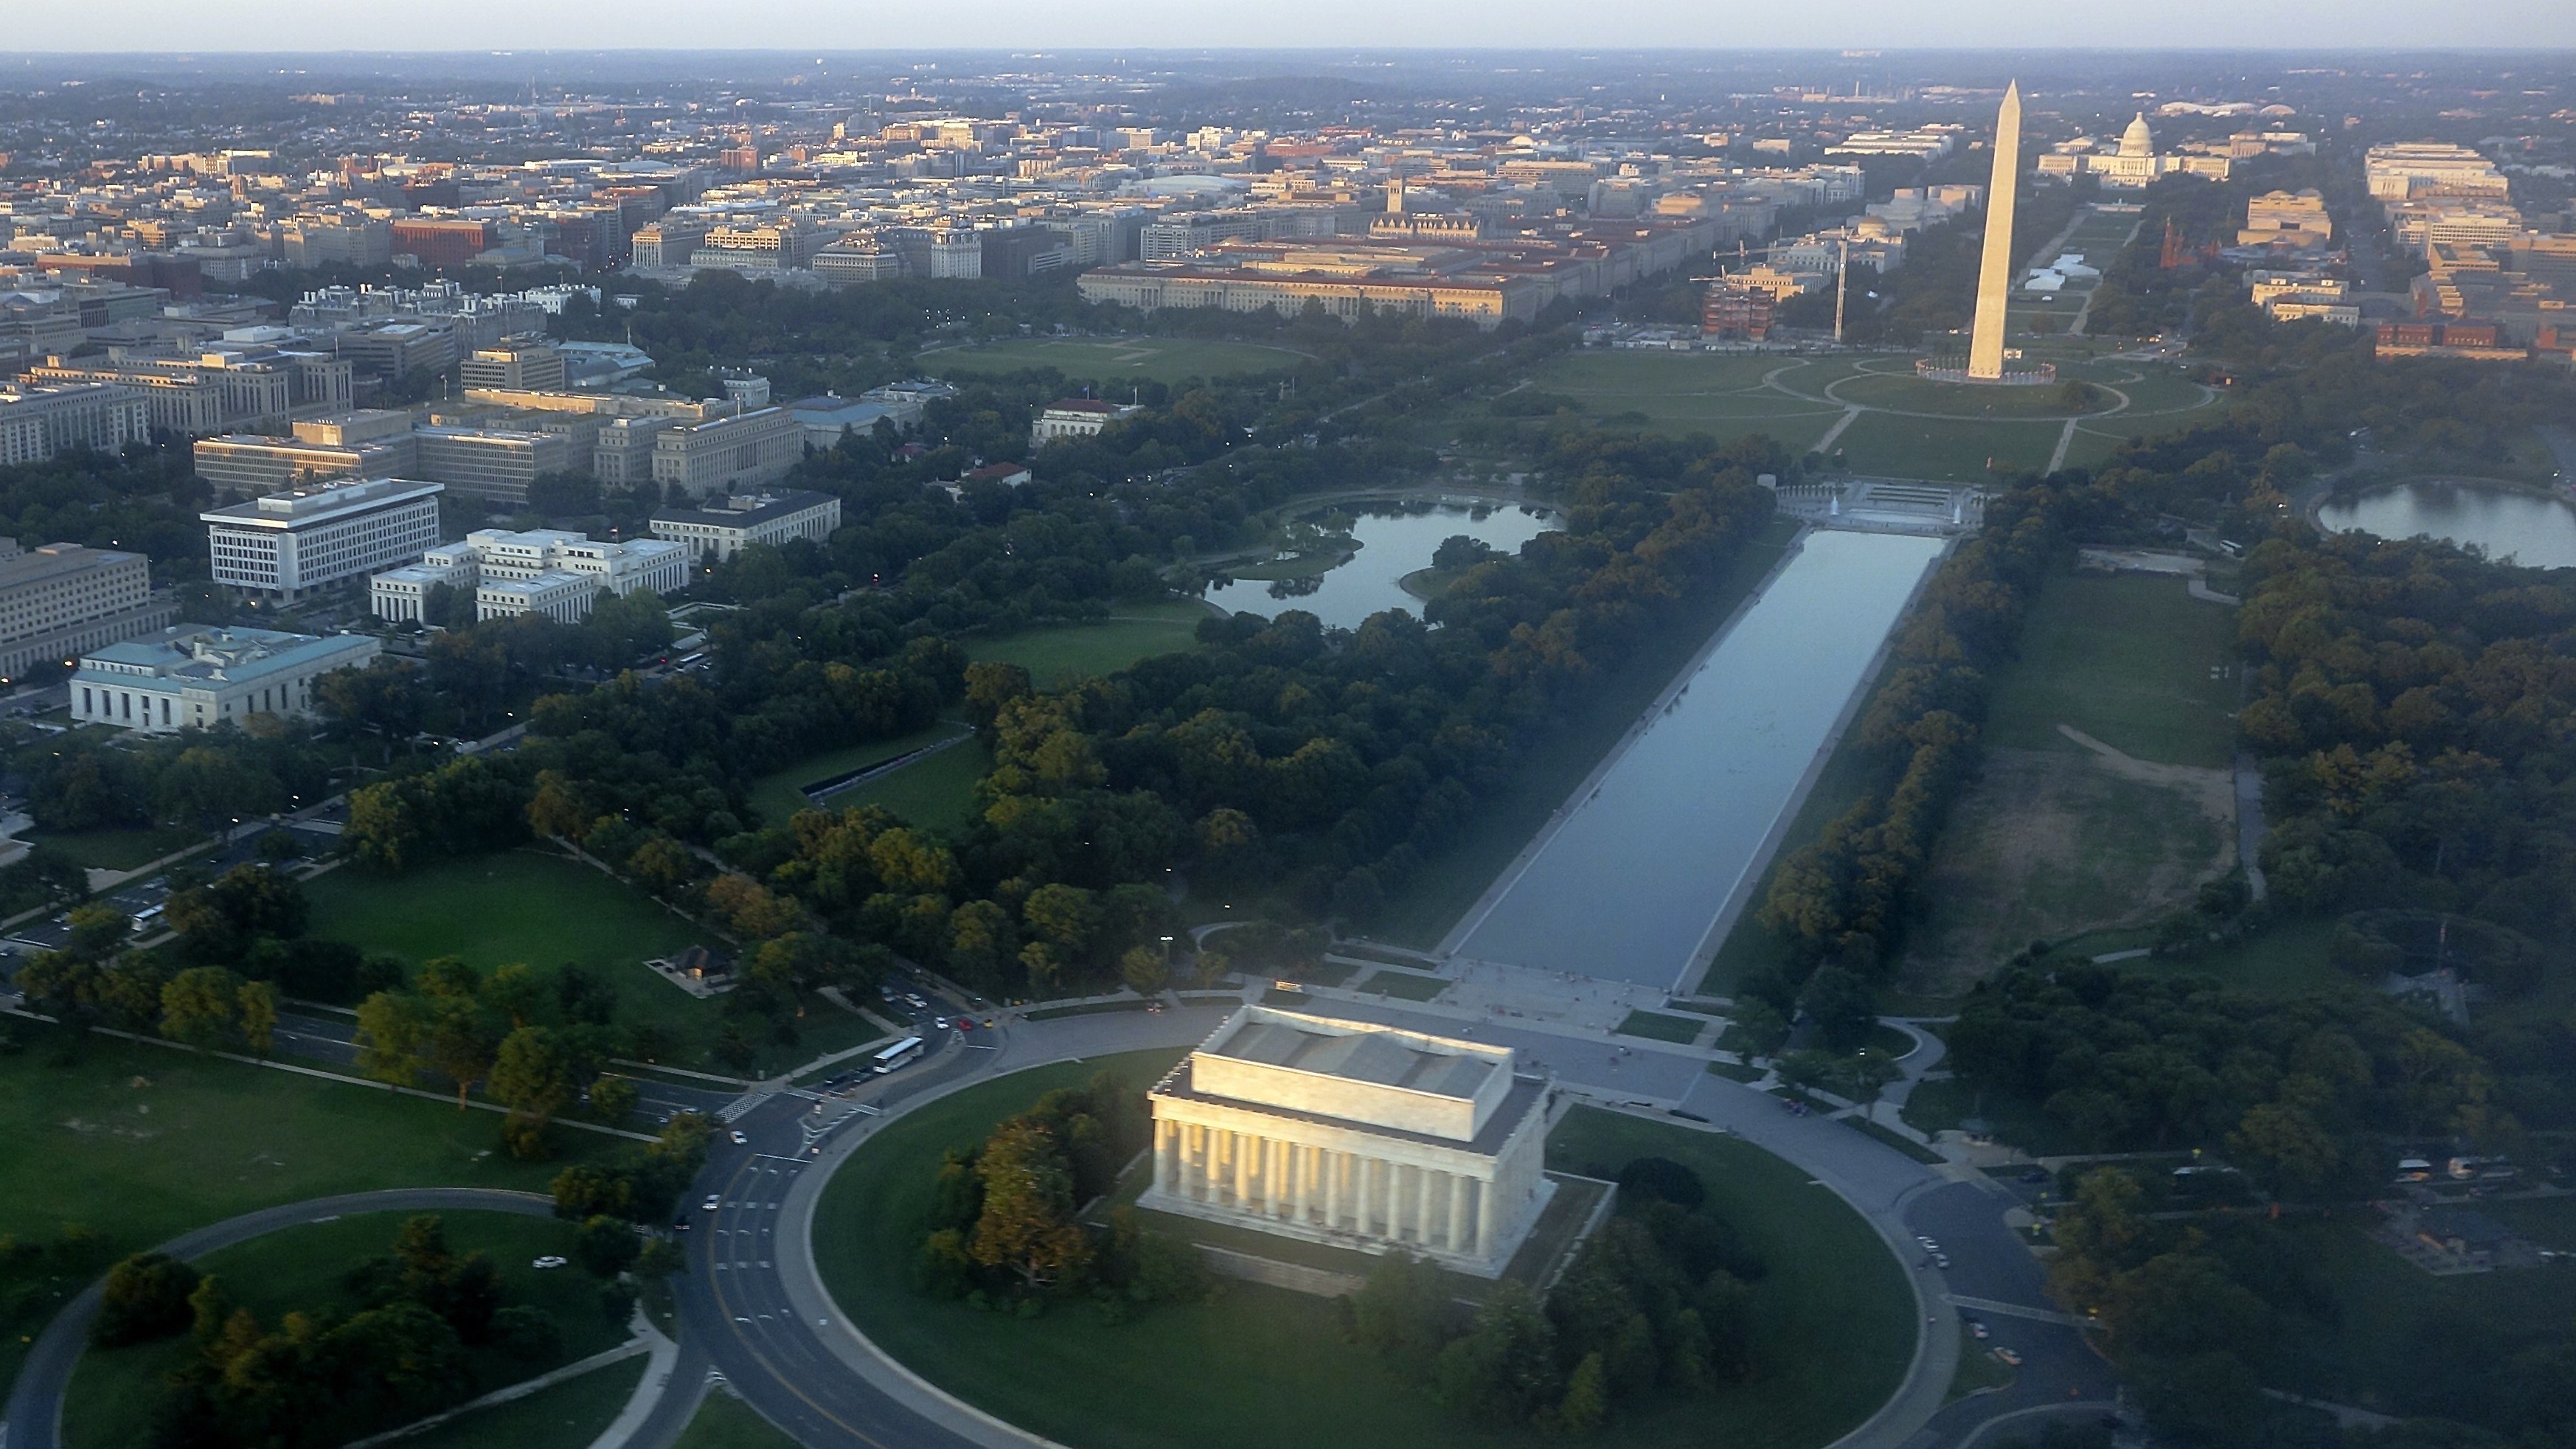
(2025, 374)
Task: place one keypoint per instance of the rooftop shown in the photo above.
(1385, 1058)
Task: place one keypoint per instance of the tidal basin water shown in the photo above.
(1632, 877)
(2534, 531)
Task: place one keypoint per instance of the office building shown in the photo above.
(2286, 219)
(2406, 170)
(403, 594)
(557, 594)
(218, 389)
(61, 599)
(722, 454)
(395, 348)
(1356, 1135)
(290, 544)
(722, 527)
(259, 463)
(519, 363)
(667, 243)
(37, 423)
(201, 676)
(492, 464)
(441, 243)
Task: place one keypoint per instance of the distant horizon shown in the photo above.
(470, 26)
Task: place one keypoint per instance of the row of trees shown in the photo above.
(1003, 1224)
(1655, 1308)
(431, 1326)
(537, 1047)
(2313, 1094)
(1842, 898)
(2204, 1313)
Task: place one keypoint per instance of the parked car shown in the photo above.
(550, 1260)
(2008, 1356)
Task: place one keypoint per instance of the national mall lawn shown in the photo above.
(1261, 1368)
(139, 1143)
(542, 908)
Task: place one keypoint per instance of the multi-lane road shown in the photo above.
(752, 1308)
(754, 1305)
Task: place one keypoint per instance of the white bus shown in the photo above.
(907, 1050)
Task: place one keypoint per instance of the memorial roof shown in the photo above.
(1386, 1059)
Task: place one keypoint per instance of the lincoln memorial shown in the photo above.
(1356, 1135)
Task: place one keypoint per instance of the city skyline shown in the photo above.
(149, 27)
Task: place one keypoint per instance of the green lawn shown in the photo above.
(1657, 1027)
(1679, 393)
(141, 1144)
(780, 794)
(2400, 1336)
(937, 792)
(1904, 392)
(113, 1391)
(1426, 905)
(2286, 957)
(1942, 449)
(1056, 655)
(1112, 359)
(118, 849)
(1266, 1369)
(2127, 659)
(568, 1416)
(547, 911)
(725, 1422)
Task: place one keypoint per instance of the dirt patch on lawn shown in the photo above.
(2049, 843)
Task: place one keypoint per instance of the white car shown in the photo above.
(939, 1023)
(711, 1204)
(739, 1139)
(550, 1260)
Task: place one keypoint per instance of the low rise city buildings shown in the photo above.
(38, 423)
(562, 572)
(61, 599)
(719, 528)
(201, 676)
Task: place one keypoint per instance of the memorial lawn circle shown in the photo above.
(1262, 1368)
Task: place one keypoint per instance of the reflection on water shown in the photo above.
(1647, 861)
(2533, 531)
(1392, 544)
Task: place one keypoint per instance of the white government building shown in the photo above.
(1356, 1135)
(546, 571)
(289, 544)
(719, 528)
(198, 676)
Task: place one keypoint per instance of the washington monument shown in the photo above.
(1995, 269)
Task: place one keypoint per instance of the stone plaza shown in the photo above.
(1355, 1135)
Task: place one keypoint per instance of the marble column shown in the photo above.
(1485, 1225)
(1374, 1193)
(1457, 1213)
(1167, 1155)
(1422, 1206)
(1239, 1145)
(1332, 1190)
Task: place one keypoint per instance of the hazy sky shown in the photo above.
(282, 25)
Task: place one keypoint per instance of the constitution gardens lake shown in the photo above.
(1395, 539)
(1636, 874)
(2532, 529)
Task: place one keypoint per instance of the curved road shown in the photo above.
(34, 1419)
(753, 1309)
(755, 1305)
